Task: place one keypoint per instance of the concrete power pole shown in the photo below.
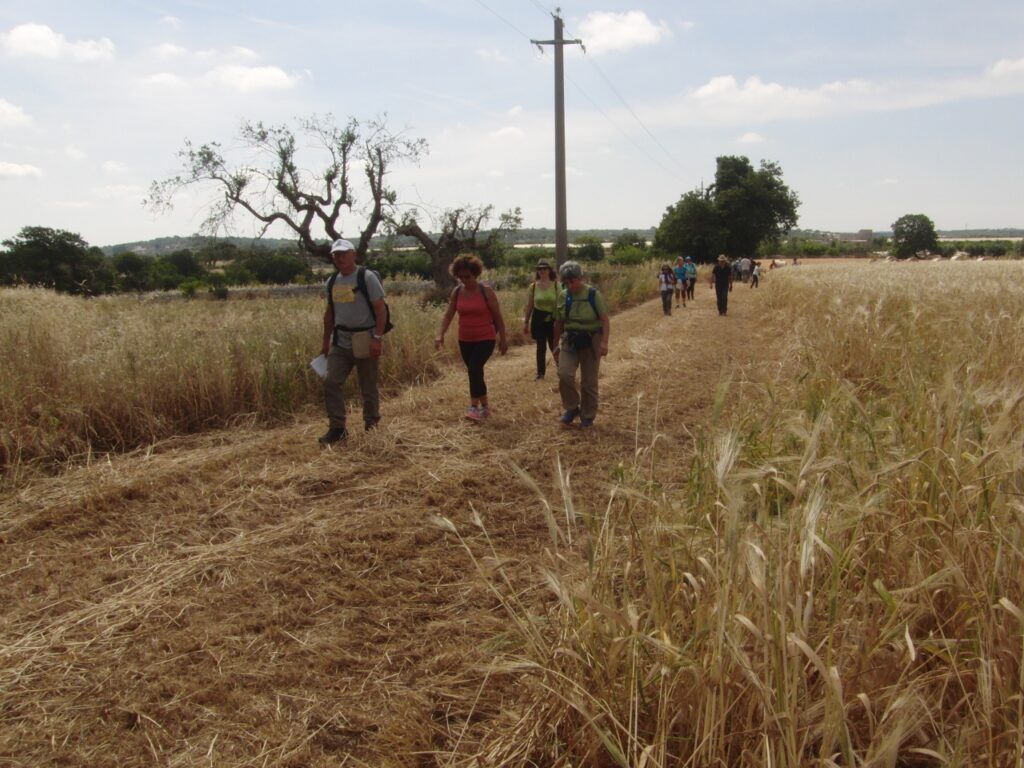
(561, 225)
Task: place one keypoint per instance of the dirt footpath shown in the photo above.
(245, 598)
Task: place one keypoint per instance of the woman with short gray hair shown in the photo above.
(582, 326)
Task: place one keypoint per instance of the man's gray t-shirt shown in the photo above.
(350, 306)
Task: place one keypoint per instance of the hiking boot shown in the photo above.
(485, 412)
(569, 416)
(585, 422)
(333, 435)
(473, 413)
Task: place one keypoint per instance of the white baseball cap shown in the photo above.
(342, 245)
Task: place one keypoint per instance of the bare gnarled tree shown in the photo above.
(276, 189)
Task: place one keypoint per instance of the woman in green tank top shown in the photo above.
(539, 321)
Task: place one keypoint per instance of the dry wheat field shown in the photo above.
(793, 537)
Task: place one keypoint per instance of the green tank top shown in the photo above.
(545, 299)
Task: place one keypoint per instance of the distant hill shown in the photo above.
(162, 246)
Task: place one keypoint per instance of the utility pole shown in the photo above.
(561, 225)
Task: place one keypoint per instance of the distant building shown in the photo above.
(860, 236)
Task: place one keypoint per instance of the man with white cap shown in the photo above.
(353, 338)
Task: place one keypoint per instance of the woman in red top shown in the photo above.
(480, 324)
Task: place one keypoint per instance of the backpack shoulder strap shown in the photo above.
(591, 294)
(361, 281)
(330, 291)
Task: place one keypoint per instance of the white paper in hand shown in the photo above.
(319, 364)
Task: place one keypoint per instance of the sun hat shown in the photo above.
(543, 264)
(342, 245)
(689, 258)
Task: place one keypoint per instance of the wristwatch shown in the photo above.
(376, 337)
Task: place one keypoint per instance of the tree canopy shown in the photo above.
(744, 208)
(272, 186)
(913, 235)
(55, 258)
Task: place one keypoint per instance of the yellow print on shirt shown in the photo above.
(342, 294)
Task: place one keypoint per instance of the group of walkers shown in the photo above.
(681, 279)
(571, 319)
(563, 315)
(678, 280)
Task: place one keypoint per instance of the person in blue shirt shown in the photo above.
(690, 270)
(680, 272)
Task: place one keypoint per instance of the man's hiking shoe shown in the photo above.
(333, 435)
(485, 412)
(473, 413)
(585, 423)
(569, 416)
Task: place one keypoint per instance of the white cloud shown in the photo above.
(120, 191)
(750, 138)
(687, 25)
(169, 50)
(74, 153)
(1007, 68)
(171, 21)
(114, 166)
(12, 115)
(491, 54)
(508, 132)
(243, 53)
(19, 171)
(165, 79)
(38, 40)
(603, 32)
(250, 79)
(725, 99)
(515, 111)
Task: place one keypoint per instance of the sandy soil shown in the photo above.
(245, 598)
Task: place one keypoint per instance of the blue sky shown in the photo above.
(873, 108)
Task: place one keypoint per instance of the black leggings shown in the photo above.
(542, 329)
(475, 355)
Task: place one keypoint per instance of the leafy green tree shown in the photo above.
(185, 262)
(913, 235)
(162, 275)
(275, 267)
(588, 248)
(131, 270)
(629, 240)
(58, 259)
(744, 208)
(755, 205)
(692, 227)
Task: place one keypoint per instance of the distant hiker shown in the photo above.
(679, 270)
(582, 326)
(691, 276)
(354, 323)
(721, 280)
(755, 274)
(744, 266)
(539, 321)
(666, 283)
(480, 324)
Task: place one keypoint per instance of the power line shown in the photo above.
(611, 87)
(502, 18)
(629, 109)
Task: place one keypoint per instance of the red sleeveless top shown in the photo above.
(475, 321)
